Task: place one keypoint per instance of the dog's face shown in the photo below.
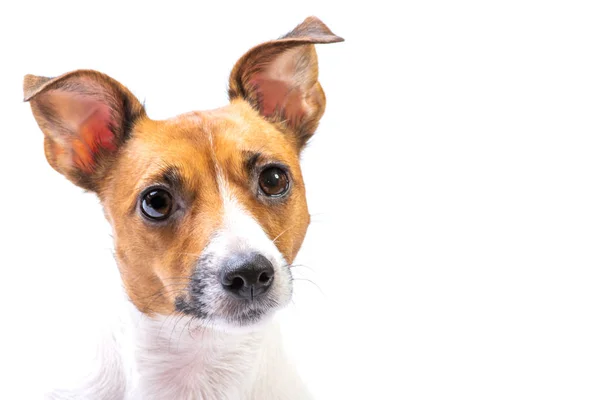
(208, 208)
(201, 196)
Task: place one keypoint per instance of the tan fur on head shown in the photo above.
(98, 135)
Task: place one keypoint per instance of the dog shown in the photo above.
(208, 211)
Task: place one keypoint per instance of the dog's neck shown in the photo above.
(170, 357)
(176, 358)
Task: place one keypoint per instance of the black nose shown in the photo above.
(247, 276)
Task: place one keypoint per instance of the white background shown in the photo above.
(453, 182)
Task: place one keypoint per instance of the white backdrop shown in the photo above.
(453, 184)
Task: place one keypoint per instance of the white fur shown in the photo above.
(177, 358)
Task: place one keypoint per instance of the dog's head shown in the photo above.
(208, 208)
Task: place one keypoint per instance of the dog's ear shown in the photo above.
(85, 116)
(280, 79)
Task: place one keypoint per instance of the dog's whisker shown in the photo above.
(193, 255)
(301, 266)
(157, 337)
(189, 325)
(284, 231)
(310, 281)
(181, 317)
(169, 289)
(176, 279)
(160, 294)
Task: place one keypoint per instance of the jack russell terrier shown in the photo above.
(208, 212)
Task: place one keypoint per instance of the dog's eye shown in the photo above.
(157, 204)
(273, 181)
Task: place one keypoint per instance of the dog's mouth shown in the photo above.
(227, 311)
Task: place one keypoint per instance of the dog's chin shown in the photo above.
(234, 316)
(237, 324)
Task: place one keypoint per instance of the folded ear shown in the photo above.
(85, 116)
(280, 79)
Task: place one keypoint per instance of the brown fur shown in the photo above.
(157, 259)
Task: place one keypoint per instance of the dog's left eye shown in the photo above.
(157, 204)
(273, 182)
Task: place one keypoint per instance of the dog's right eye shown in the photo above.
(157, 204)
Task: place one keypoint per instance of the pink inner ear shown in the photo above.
(282, 85)
(94, 135)
(90, 121)
(279, 96)
(272, 94)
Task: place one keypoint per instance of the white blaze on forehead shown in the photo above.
(239, 231)
(244, 232)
